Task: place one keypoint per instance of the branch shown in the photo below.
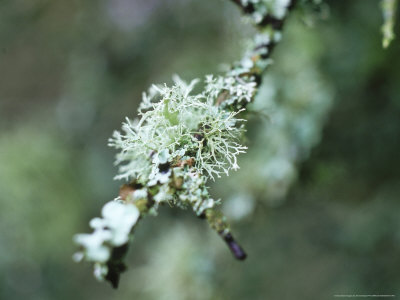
(270, 25)
(218, 222)
(180, 142)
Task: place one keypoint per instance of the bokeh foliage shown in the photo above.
(72, 70)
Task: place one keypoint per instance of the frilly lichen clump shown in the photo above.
(176, 126)
(167, 155)
(180, 141)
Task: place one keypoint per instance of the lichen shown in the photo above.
(179, 141)
(389, 17)
(176, 124)
(110, 231)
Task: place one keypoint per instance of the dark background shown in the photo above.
(70, 71)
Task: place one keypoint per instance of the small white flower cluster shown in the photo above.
(109, 232)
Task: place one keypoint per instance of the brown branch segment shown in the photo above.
(268, 20)
(217, 221)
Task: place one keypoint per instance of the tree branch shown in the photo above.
(162, 175)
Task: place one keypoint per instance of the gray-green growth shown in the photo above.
(180, 141)
(389, 18)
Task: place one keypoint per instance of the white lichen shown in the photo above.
(262, 8)
(174, 127)
(175, 124)
(179, 141)
(110, 231)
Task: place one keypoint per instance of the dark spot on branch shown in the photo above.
(127, 190)
(115, 265)
(164, 168)
(248, 9)
(198, 136)
(274, 22)
(236, 250)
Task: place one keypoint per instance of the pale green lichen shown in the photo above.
(178, 143)
(389, 16)
(176, 124)
(262, 8)
(110, 231)
(180, 140)
(237, 91)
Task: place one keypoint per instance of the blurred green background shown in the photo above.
(321, 219)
